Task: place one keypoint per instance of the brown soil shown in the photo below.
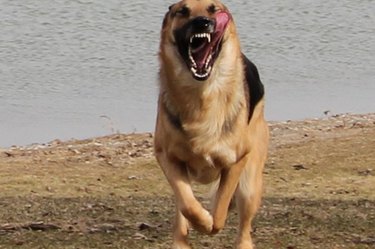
(108, 192)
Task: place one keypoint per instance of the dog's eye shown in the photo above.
(184, 11)
(212, 9)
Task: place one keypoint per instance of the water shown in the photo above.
(83, 68)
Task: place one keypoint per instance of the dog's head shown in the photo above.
(196, 29)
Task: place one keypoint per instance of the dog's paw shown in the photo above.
(204, 224)
(180, 245)
(245, 244)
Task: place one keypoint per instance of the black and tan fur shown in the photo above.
(210, 125)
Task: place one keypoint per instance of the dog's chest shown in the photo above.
(206, 167)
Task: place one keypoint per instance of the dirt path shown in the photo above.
(108, 192)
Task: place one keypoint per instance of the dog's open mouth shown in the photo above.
(200, 54)
(203, 48)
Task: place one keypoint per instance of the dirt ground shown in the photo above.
(108, 192)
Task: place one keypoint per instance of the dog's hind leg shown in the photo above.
(228, 183)
(248, 197)
(180, 231)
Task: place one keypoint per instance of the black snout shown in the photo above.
(203, 24)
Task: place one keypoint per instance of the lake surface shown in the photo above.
(83, 68)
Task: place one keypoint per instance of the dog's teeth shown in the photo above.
(194, 71)
(203, 35)
(192, 59)
(208, 60)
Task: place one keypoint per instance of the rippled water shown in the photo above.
(81, 68)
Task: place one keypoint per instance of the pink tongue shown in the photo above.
(222, 19)
(200, 55)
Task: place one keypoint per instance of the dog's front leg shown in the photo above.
(177, 176)
(228, 183)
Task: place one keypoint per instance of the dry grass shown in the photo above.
(320, 193)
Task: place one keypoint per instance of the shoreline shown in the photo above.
(292, 129)
(128, 149)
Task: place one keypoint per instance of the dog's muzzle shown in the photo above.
(199, 43)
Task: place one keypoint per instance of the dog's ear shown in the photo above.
(165, 20)
(171, 6)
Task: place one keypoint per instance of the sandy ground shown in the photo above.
(108, 192)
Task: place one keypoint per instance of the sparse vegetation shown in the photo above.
(108, 192)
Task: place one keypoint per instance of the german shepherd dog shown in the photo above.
(210, 126)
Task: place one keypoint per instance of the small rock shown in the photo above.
(365, 172)
(144, 226)
(299, 166)
(8, 154)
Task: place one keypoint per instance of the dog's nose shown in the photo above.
(202, 23)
